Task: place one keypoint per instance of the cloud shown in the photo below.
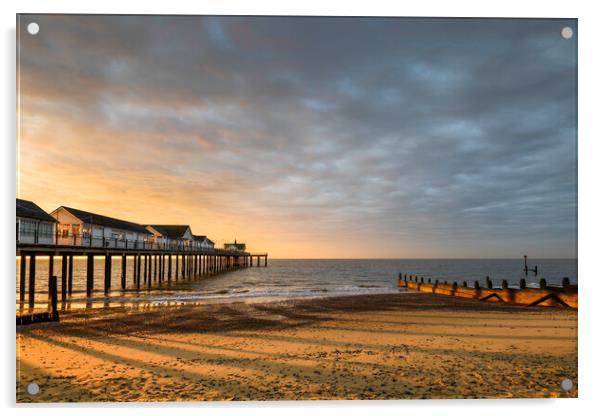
(336, 137)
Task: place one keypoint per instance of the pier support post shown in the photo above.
(63, 278)
(169, 267)
(50, 269)
(32, 280)
(155, 263)
(177, 267)
(22, 266)
(134, 269)
(54, 313)
(161, 264)
(182, 266)
(108, 264)
(145, 267)
(123, 270)
(90, 275)
(157, 268)
(138, 267)
(70, 275)
(265, 264)
(150, 270)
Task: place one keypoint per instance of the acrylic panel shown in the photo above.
(295, 208)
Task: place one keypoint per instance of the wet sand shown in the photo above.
(405, 346)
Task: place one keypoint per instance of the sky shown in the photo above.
(309, 137)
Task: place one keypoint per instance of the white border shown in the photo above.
(589, 191)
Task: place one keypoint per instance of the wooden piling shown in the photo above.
(54, 313)
(177, 267)
(32, 280)
(169, 267)
(161, 266)
(70, 276)
(63, 278)
(183, 267)
(108, 266)
(150, 271)
(134, 269)
(22, 278)
(90, 275)
(50, 269)
(138, 267)
(123, 271)
(145, 267)
(155, 261)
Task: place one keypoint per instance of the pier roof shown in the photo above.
(28, 209)
(171, 231)
(97, 219)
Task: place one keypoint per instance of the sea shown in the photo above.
(288, 279)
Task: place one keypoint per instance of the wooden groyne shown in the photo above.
(544, 295)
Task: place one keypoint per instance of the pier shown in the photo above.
(153, 264)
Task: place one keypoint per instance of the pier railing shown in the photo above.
(75, 240)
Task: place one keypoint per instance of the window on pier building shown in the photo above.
(46, 229)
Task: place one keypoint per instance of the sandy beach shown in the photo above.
(406, 346)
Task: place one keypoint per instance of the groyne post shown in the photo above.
(488, 282)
